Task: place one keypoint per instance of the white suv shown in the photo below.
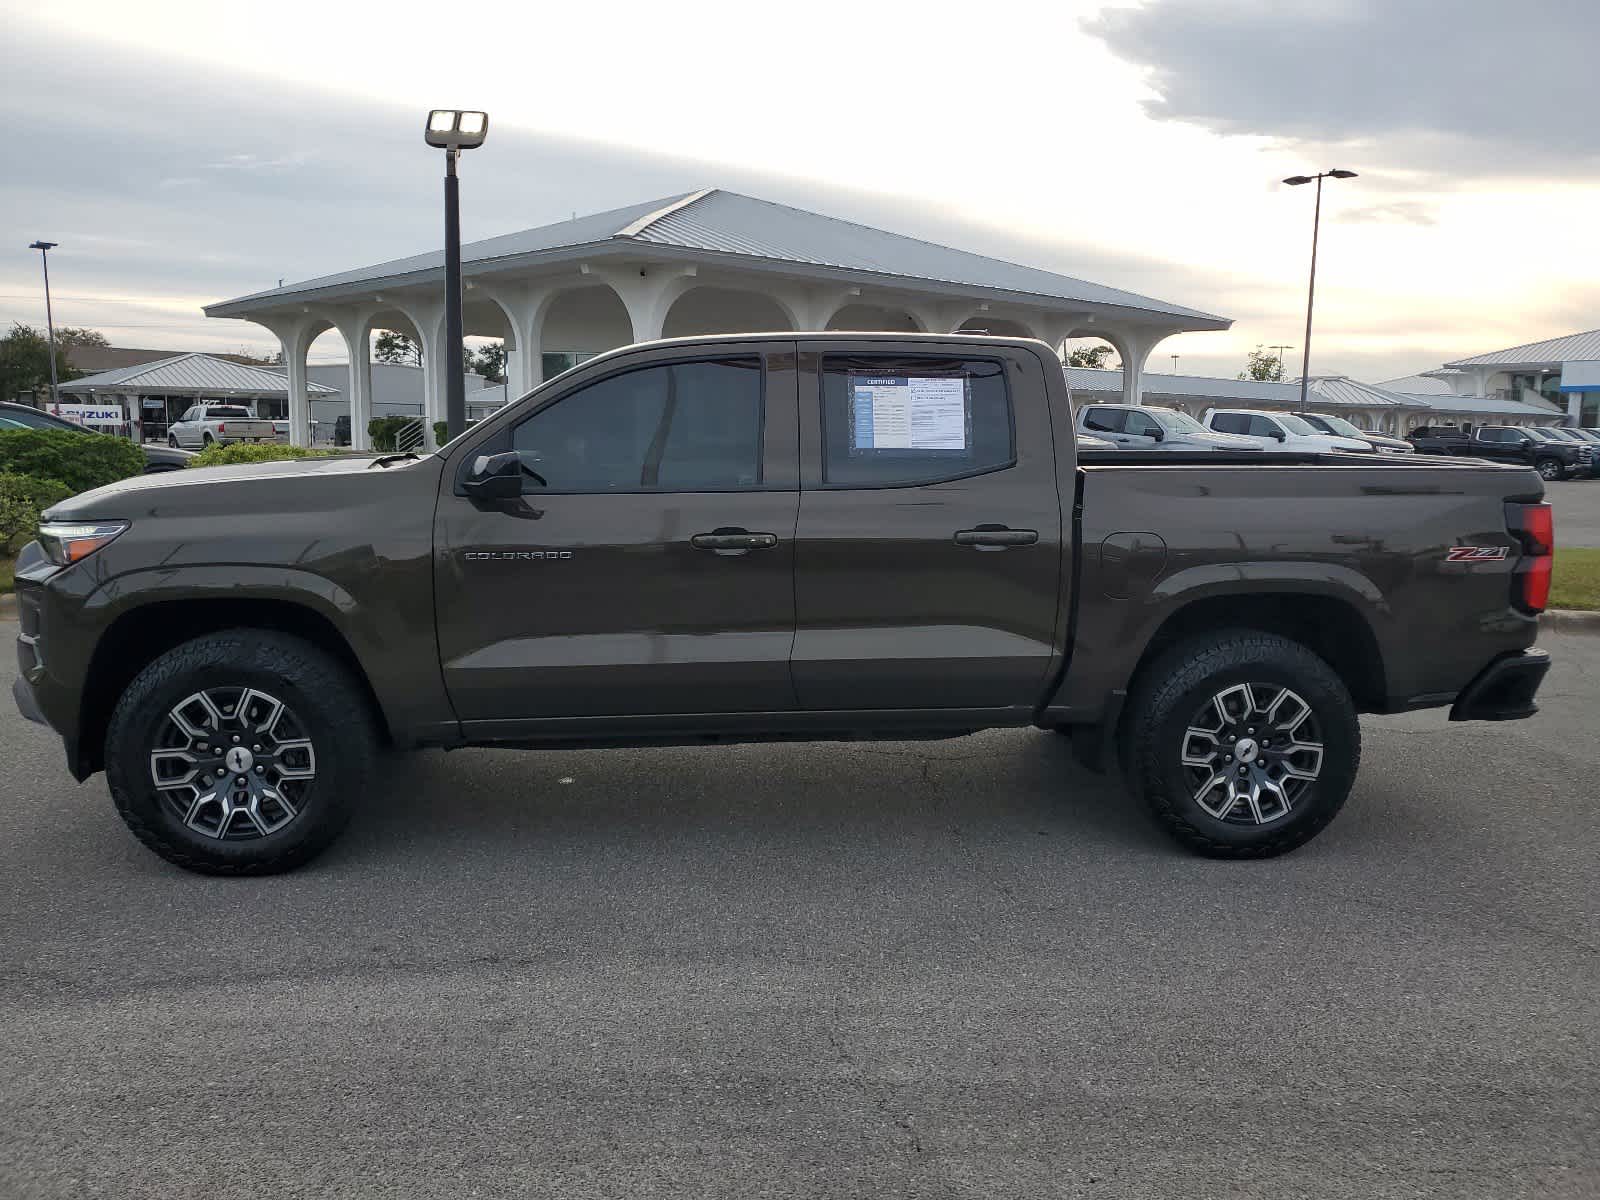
(1137, 427)
(1280, 431)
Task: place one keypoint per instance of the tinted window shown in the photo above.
(19, 418)
(681, 427)
(1262, 427)
(1141, 425)
(894, 420)
(1230, 423)
(227, 410)
(1104, 420)
(188, 415)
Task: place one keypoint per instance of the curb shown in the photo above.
(1571, 620)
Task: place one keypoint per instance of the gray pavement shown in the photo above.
(1577, 507)
(952, 969)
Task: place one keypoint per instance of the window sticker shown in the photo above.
(909, 412)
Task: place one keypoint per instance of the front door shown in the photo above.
(929, 549)
(647, 568)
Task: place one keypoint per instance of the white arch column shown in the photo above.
(646, 292)
(428, 318)
(356, 329)
(525, 308)
(1133, 346)
(295, 335)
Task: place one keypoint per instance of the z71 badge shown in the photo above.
(1475, 554)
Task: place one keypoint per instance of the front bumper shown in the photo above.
(1504, 690)
(26, 704)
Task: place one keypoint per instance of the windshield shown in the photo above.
(1294, 424)
(1174, 421)
(1542, 435)
(1340, 426)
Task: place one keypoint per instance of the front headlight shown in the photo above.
(67, 542)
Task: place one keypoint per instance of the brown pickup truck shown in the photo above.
(798, 536)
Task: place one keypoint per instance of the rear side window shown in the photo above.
(898, 421)
(679, 427)
(1104, 420)
(1230, 422)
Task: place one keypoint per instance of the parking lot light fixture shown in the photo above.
(1311, 289)
(44, 249)
(454, 130)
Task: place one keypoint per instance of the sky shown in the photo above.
(183, 153)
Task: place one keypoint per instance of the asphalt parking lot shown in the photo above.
(1577, 507)
(952, 969)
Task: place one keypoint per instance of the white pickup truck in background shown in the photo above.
(205, 424)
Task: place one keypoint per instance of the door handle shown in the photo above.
(731, 541)
(996, 537)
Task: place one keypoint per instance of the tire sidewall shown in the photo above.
(1314, 682)
(233, 661)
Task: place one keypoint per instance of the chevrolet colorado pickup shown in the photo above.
(798, 536)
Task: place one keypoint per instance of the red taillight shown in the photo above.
(221, 428)
(1534, 527)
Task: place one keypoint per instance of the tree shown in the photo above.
(397, 348)
(25, 362)
(1093, 357)
(73, 337)
(490, 361)
(1262, 366)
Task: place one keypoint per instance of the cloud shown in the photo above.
(1446, 88)
(1400, 212)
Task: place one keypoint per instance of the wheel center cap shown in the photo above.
(239, 760)
(1246, 750)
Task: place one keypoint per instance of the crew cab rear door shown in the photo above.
(929, 544)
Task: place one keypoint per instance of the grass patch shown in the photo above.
(1575, 582)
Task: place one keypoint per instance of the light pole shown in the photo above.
(44, 249)
(1280, 349)
(454, 131)
(1311, 291)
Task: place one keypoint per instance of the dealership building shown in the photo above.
(707, 262)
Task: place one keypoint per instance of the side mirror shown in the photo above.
(1158, 434)
(495, 477)
(1277, 435)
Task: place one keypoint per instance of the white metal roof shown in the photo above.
(1417, 385)
(744, 229)
(1349, 393)
(1329, 391)
(186, 373)
(1483, 406)
(1205, 387)
(1546, 353)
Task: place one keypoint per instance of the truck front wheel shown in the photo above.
(1550, 469)
(1244, 744)
(239, 753)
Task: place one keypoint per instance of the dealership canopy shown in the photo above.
(705, 262)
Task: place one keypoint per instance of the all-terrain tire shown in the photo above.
(328, 707)
(1175, 687)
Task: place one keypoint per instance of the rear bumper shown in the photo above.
(1504, 690)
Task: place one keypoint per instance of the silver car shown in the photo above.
(1139, 427)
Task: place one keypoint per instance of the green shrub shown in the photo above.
(80, 461)
(441, 432)
(384, 430)
(251, 452)
(22, 499)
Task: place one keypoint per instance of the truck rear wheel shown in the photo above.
(239, 753)
(1244, 744)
